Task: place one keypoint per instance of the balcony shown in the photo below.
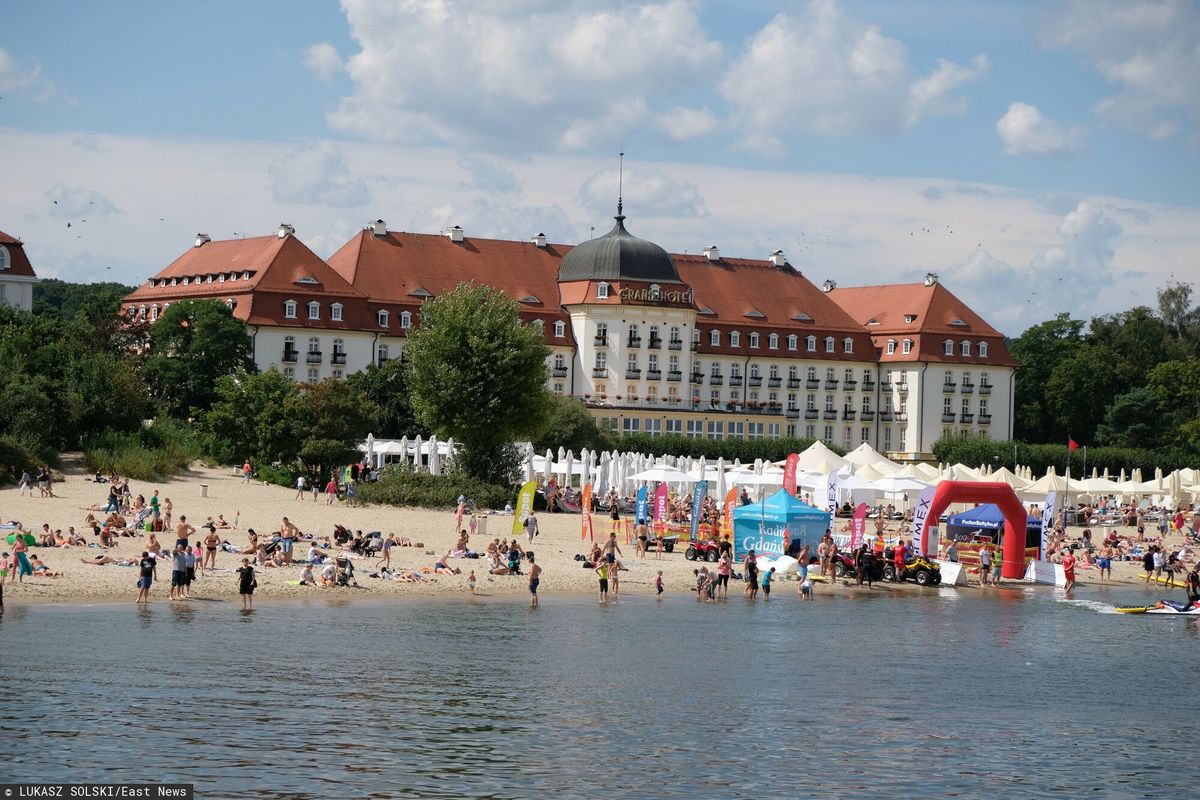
(830, 384)
(755, 380)
(812, 383)
(675, 344)
(599, 372)
(697, 377)
(674, 375)
(886, 416)
(902, 416)
(338, 357)
(968, 418)
(949, 388)
(560, 372)
(985, 419)
(869, 386)
(733, 406)
(654, 374)
(715, 380)
(811, 413)
(601, 340)
(634, 341)
(985, 388)
(793, 413)
(793, 383)
(948, 418)
(655, 343)
(850, 386)
(313, 357)
(829, 414)
(968, 388)
(290, 356)
(885, 386)
(902, 386)
(633, 374)
(866, 416)
(849, 415)
(774, 383)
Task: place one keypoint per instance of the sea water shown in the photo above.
(1015, 692)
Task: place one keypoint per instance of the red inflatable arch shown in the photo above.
(1009, 504)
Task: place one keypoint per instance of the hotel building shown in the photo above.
(16, 273)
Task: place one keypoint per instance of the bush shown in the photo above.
(15, 458)
(405, 486)
(745, 449)
(154, 453)
(277, 476)
(973, 451)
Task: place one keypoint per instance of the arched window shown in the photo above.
(891, 347)
(847, 345)
(154, 312)
(948, 347)
(602, 291)
(735, 339)
(793, 342)
(289, 309)
(405, 319)
(314, 344)
(560, 329)
(812, 344)
(314, 310)
(655, 291)
(829, 344)
(714, 338)
(142, 312)
(382, 318)
(907, 346)
(753, 339)
(335, 312)
(773, 341)
(983, 349)
(966, 348)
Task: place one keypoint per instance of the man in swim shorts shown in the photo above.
(611, 548)
(287, 532)
(148, 570)
(535, 577)
(183, 531)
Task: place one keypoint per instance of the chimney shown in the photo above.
(778, 258)
(539, 240)
(712, 253)
(930, 278)
(455, 234)
(202, 239)
(378, 227)
(829, 285)
(285, 230)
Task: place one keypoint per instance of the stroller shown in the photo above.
(345, 573)
(341, 534)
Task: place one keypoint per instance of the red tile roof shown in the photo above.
(18, 262)
(937, 315)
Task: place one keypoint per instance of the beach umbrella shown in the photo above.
(570, 463)
(722, 489)
(435, 458)
(371, 449)
(26, 537)
(529, 468)
(404, 448)
(549, 465)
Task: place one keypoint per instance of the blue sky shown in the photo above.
(1062, 138)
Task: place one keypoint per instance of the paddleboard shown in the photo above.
(1179, 583)
(1131, 609)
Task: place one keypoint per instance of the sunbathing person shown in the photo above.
(252, 548)
(408, 576)
(443, 567)
(40, 568)
(221, 523)
(102, 560)
(316, 555)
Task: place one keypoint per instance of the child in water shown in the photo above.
(471, 582)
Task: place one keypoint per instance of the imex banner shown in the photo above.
(524, 506)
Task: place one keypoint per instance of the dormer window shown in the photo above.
(714, 338)
(540, 324)
(602, 291)
(793, 342)
(221, 278)
(847, 345)
(186, 281)
(948, 347)
(308, 280)
(154, 312)
(754, 340)
(910, 318)
(335, 312)
(6, 259)
(314, 310)
(174, 281)
(735, 339)
(560, 329)
(983, 348)
(872, 322)
(382, 318)
(811, 344)
(966, 348)
(655, 291)
(773, 341)
(958, 323)
(829, 344)
(891, 347)
(208, 278)
(245, 276)
(289, 309)
(405, 320)
(907, 346)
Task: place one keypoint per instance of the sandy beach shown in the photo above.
(262, 507)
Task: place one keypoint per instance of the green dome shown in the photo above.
(618, 255)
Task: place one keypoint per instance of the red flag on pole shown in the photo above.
(1072, 445)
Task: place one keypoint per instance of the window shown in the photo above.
(983, 349)
(673, 363)
(289, 309)
(655, 291)
(602, 333)
(736, 429)
(774, 372)
(221, 278)
(946, 407)
(866, 434)
(966, 405)
(948, 348)
(654, 427)
(793, 341)
(716, 370)
(849, 376)
(966, 377)
(829, 344)
(714, 397)
(653, 359)
(314, 344)
(983, 379)
(887, 437)
(903, 437)
(891, 347)
(983, 407)
(602, 291)
(735, 371)
(846, 438)
(907, 346)
(829, 434)
(810, 431)
(812, 344)
(405, 319)
(631, 425)
(714, 338)
(675, 334)
(289, 373)
(601, 360)
(5, 259)
(338, 374)
(866, 376)
(829, 402)
(812, 373)
(811, 403)
(558, 388)
(847, 345)
(154, 312)
(633, 361)
(966, 348)
(866, 403)
(560, 329)
(695, 336)
(735, 339)
(335, 312)
(754, 373)
(654, 335)
(773, 430)
(382, 318)
(792, 373)
(559, 362)
(314, 310)
(753, 340)
(949, 379)
(829, 374)
(674, 426)
(540, 324)
(754, 430)
(314, 374)
(381, 354)
(695, 428)
(791, 401)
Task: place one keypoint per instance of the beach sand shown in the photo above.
(262, 507)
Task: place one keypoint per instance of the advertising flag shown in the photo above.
(920, 512)
(1049, 512)
(660, 503)
(730, 502)
(858, 526)
(789, 473)
(524, 506)
(642, 515)
(698, 505)
(586, 521)
(831, 488)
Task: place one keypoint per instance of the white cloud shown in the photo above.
(1024, 131)
(75, 204)
(826, 73)
(487, 176)
(1149, 50)
(29, 80)
(681, 123)
(519, 74)
(648, 192)
(316, 174)
(323, 61)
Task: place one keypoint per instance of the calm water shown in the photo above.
(952, 694)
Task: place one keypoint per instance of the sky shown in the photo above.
(1040, 157)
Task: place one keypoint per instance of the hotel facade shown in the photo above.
(652, 342)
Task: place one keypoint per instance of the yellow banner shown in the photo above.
(524, 506)
(586, 509)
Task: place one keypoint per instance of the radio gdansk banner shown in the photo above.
(641, 516)
(920, 512)
(660, 503)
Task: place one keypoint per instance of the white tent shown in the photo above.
(662, 473)
(897, 484)
(865, 455)
(819, 458)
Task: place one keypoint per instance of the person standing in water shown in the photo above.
(246, 584)
(535, 577)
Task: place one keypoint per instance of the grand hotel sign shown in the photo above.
(656, 294)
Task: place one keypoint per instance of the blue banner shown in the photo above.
(642, 515)
(698, 505)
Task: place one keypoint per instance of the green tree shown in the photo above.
(571, 427)
(1040, 349)
(247, 419)
(1137, 340)
(1176, 385)
(388, 387)
(479, 375)
(1175, 308)
(193, 344)
(55, 298)
(1133, 419)
(1078, 391)
(334, 420)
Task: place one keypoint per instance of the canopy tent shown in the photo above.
(865, 455)
(988, 518)
(771, 525)
(662, 473)
(1003, 475)
(819, 458)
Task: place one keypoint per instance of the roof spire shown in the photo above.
(620, 185)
